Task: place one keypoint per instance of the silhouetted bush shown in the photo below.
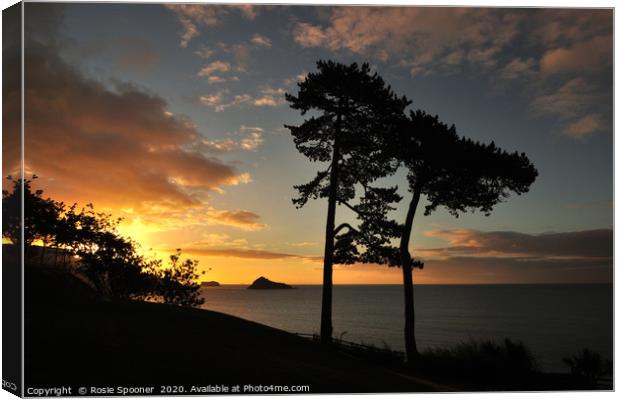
(89, 244)
(177, 284)
(589, 366)
(482, 362)
(40, 219)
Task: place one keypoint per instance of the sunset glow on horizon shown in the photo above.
(174, 121)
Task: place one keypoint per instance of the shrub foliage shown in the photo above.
(88, 242)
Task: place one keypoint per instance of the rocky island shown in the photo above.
(263, 283)
(210, 284)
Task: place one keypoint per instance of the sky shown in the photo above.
(172, 117)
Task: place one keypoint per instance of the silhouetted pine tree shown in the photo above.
(456, 173)
(352, 109)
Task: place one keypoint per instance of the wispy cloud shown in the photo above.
(270, 97)
(245, 253)
(204, 52)
(519, 68)
(575, 104)
(213, 72)
(214, 100)
(245, 220)
(216, 66)
(247, 138)
(582, 56)
(587, 244)
(218, 240)
(558, 48)
(417, 37)
(267, 97)
(193, 17)
(261, 41)
(303, 244)
(492, 257)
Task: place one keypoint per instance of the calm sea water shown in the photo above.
(554, 321)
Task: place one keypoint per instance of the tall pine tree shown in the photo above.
(451, 172)
(352, 109)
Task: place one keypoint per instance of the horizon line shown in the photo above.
(430, 284)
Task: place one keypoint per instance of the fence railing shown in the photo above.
(360, 348)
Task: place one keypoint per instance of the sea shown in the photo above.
(553, 321)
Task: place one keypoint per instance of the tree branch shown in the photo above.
(342, 226)
(351, 207)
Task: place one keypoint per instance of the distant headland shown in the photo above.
(263, 283)
(210, 284)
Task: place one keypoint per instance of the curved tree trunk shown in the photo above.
(328, 258)
(406, 264)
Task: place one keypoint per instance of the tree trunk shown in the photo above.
(42, 254)
(410, 344)
(328, 258)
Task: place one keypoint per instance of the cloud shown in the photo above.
(213, 100)
(293, 80)
(221, 100)
(502, 270)
(587, 244)
(243, 253)
(251, 139)
(204, 52)
(495, 257)
(216, 66)
(309, 35)
(240, 52)
(195, 16)
(519, 68)
(268, 97)
(248, 10)
(575, 103)
(242, 219)
(425, 37)
(569, 25)
(567, 100)
(303, 244)
(196, 217)
(78, 126)
(417, 37)
(265, 102)
(261, 41)
(584, 56)
(218, 240)
(539, 51)
(585, 126)
(117, 145)
(216, 79)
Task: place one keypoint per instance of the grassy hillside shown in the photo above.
(74, 338)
